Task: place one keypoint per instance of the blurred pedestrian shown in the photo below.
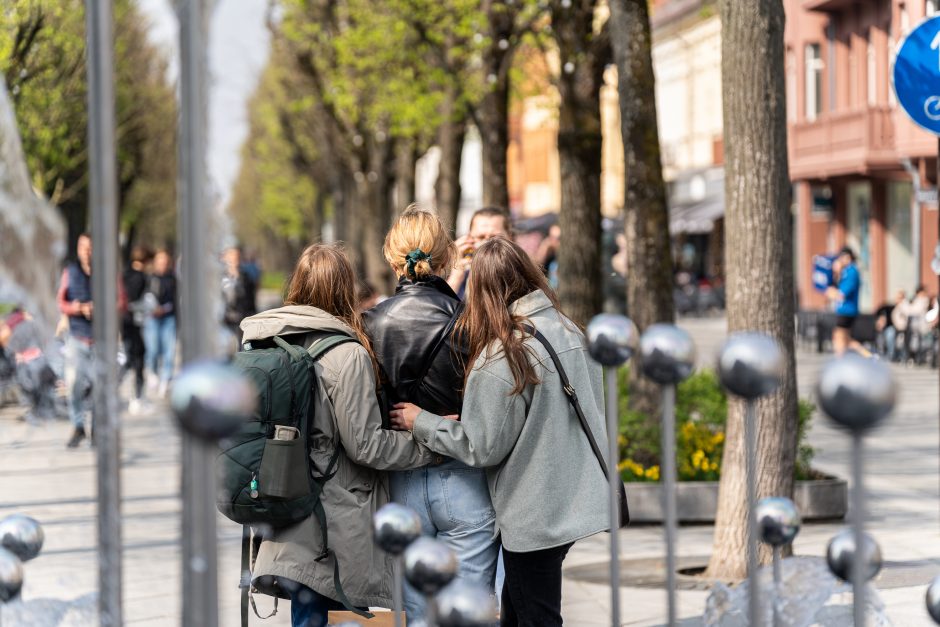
(239, 292)
(884, 324)
(366, 296)
(21, 337)
(160, 325)
(135, 286)
(486, 223)
(844, 296)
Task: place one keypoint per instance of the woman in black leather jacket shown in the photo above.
(411, 335)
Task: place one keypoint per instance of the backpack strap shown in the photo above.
(321, 345)
(245, 582)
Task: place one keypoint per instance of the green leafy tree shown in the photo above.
(42, 57)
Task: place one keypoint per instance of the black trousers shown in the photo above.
(134, 350)
(532, 590)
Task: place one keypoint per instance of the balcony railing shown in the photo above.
(842, 143)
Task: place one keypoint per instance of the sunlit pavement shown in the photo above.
(43, 479)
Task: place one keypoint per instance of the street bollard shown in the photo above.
(466, 604)
(429, 566)
(21, 535)
(612, 340)
(211, 400)
(932, 599)
(395, 527)
(751, 365)
(857, 393)
(11, 578)
(778, 522)
(667, 356)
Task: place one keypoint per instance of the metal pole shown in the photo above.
(858, 524)
(777, 582)
(669, 495)
(103, 201)
(200, 552)
(613, 476)
(430, 614)
(750, 452)
(398, 585)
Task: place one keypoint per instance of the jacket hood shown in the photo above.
(291, 319)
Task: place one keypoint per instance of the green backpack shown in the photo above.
(267, 481)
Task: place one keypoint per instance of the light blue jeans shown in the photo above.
(453, 501)
(79, 378)
(160, 342)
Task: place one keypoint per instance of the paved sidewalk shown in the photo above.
(41, 478)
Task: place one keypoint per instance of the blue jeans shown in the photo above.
(160, 340)
(889, 336)
(79, 377)
(453, 502)
(308, 608)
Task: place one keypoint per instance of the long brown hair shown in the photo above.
(324, 278)
(501, 274)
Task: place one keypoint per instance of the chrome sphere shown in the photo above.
(612, 339)
(211, 400)
(667, 354)
(777, 520)
(22, 536)
(840, 553)
(11, 576)
(466, 604)
(429, 565)
(751, 365)
(933, 600)
(856, 392)
(395, 527)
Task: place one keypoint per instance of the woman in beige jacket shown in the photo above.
(321, 299)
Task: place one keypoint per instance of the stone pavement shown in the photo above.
(42, 479)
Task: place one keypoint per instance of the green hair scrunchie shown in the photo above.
(413, 258)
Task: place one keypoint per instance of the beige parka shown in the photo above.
(347, 415)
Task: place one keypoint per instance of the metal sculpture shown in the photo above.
(395, 527)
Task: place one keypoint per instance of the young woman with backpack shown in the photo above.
(411, 334)
(518, 423)
(321, 301)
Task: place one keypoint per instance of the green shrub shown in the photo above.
(701, 417)
(273, 281)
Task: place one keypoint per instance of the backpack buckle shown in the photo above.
(570, 391)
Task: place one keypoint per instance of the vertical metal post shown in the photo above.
(778, 577)
(398, 585)
(669, 495)
(858, 524)
(430, 613)
(200, 553)
(103, 201)
(613, 475)
(750, 453)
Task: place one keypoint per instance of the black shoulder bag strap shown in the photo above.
(572, 395)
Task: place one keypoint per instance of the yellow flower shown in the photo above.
(652, 473)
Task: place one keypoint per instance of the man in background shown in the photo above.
(486, 223)
(845, 297)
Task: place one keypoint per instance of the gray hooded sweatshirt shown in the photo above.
(347, 415)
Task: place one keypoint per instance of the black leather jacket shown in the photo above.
(405, 329)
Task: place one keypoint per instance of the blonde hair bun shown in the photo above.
(418, 229)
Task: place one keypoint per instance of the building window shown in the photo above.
(814, 84)
(892, 97)
(872, 78)
(932, 7)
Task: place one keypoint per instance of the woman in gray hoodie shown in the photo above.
(321, 299)
(546, 485)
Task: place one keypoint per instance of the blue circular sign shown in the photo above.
(916, 74)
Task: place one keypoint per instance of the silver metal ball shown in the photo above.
(612, 339)
(777, 520)
(667, 354)
(11, 576)
(466, 604)
(932, 599)
(395, 527)
(855, 392)
(21, 535)
(211, 400)
(840, 553)
(751, 365)
(429, 565)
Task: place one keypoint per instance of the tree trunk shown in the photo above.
(493, 110)
(580, 278)
(649, 257)
(450, 139)
(374, 214)
(759, 265)
(403, 192)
